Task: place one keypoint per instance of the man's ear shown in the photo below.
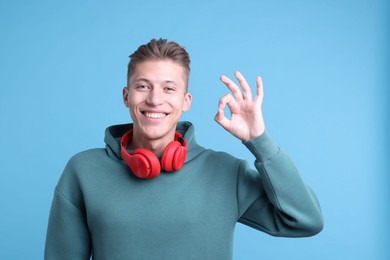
(125, 95)
(187, 102)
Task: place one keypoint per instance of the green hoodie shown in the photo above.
(101, 209)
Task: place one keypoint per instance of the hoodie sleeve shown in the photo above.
(67, 234)
(285, 206)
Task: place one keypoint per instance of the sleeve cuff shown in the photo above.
(262, 147)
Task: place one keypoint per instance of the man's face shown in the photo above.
(156, 96)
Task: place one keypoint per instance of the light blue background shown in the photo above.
(325, 70)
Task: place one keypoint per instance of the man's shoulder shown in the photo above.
(220, 157)
(88, 156)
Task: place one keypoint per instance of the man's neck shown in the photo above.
(156, 146)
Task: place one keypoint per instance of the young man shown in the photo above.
(154, 193)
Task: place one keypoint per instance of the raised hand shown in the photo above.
(246, 121)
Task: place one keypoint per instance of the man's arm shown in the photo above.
(67, 233)
(286, 205)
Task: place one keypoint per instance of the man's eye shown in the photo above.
(170, 89)
(142, 87)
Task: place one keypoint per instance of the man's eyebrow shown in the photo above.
(142, 79)
(138, 80)
(170, 82)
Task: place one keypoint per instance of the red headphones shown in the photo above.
(145, 165)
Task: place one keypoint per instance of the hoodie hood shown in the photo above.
(113, 135)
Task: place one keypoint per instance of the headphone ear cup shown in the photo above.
(144, 164)
(173, 156)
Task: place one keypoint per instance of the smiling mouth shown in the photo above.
(154, 115)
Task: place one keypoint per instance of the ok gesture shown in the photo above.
(246, 120)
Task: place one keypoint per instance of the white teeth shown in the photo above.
(154, 115)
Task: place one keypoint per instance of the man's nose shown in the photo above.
(155, 97)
